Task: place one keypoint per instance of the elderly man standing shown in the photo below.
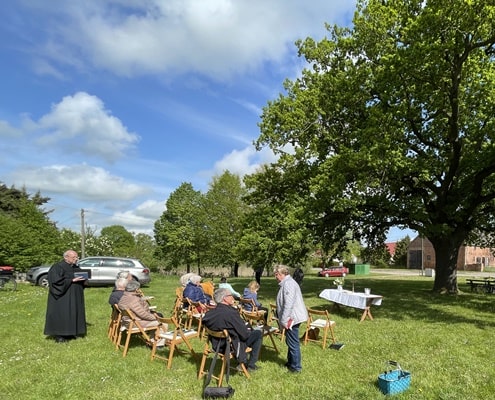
(65, 310)
(291, 312)
(226, 316)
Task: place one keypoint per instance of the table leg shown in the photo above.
(366, 313)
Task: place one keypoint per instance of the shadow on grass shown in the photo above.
(404, 298)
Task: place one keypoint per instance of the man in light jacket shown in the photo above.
(291, 312)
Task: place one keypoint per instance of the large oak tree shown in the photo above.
(392, 124)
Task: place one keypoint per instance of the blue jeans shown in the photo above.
(294, 348)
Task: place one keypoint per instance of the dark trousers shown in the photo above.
(254, 341)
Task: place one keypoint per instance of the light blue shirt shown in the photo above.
(226, 285)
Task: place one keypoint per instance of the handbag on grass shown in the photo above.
(222, 392)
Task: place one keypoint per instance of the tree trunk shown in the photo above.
(446, 252)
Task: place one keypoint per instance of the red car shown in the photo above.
(333, 271)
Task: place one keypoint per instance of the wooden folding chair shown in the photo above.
(179, 312)
(273, 322)
(114, 324)
(250, 302)
(131, 326)
(319, 319)
(172, 339)
(209, 350)
(193, 315)
(257, 321)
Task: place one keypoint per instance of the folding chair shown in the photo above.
(210, 350)
(172, 339)
(273, 322)
(114, 325)
(250, 302)
(131, 326)
(257, 321)
(179, 312)
(193, 315)
(323, 323)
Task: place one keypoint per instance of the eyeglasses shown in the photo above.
(228, 295)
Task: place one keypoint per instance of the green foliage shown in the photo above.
(441, 340)
(391, 125)
(275, 228)
(224, 210)
(180, 232)
(27, 237)
(400, 257)
(122, 240)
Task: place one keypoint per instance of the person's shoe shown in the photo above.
(253, 368)
(60, 339)
(239, 368)
(294, 371)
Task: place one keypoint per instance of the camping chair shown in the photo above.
(273, 322)
(319, 320)
(210, 350)
(131, 326)
(171, 339)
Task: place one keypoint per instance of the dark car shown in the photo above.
(334, 271)
(103, 270)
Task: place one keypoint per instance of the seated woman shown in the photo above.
(251, 292)
(132, 300)
(118, 291)
(194, 292)
(225, 285)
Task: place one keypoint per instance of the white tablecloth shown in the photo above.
(351, 299)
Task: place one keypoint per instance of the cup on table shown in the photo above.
(367, 290)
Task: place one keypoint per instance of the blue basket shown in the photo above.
(394, 381)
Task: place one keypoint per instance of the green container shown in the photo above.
(359, 269)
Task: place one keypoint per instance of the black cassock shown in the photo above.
(65, 311)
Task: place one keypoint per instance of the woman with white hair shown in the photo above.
(291, 312)
(194, 292)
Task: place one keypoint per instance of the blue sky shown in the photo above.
(109, 105)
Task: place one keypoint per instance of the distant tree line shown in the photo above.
(222, 228)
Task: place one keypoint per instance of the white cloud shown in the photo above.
(140, 219)
(7, 130)
(80, 123)
(82, 182)
(243, 162)
(217, 38)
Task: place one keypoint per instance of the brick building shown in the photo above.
(420, 254)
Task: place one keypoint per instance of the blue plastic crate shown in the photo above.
(394, 381)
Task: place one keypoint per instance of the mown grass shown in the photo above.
(444, 341)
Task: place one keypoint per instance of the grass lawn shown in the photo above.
(444, 341)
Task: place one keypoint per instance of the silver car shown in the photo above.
(103, 271)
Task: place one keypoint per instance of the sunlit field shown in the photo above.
(444, 341)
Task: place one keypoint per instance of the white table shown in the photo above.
(353, 299)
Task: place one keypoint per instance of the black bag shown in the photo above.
(225, 392)
(218, 392)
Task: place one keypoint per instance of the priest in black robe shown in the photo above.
(65, 311)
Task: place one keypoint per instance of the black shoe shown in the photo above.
(60, 339)
(253, 368)
(294, 371)
(239, 368)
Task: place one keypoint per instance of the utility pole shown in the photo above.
(83, 238)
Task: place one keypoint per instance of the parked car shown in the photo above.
(103, 271)
(333, 271)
